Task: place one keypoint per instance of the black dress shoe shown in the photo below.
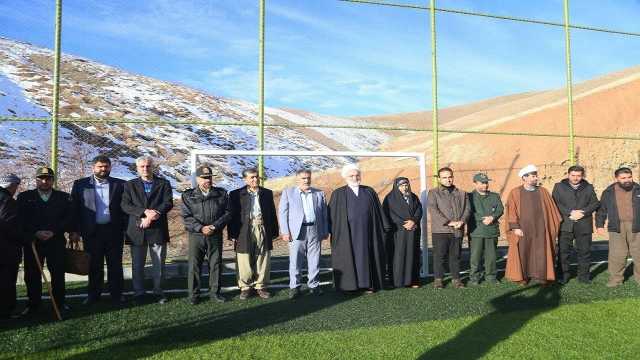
(138, 299)
(586, 281)
(564, 279)
(162, 299)
(89, 301)
(294, 293)
(316, 291)
(195, 300)
(9, 317)
(121, 300)
(30, 310)
(218, 298)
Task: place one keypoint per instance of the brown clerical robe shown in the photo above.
(532, 256)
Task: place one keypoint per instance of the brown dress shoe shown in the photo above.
(458, 284)
(244, 294)
(263, 293)
(438, 284)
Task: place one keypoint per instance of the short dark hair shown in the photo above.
(303, 171)
(623, 170)
(101, 159)
(443, 169)
(576, 168)
(247, 171)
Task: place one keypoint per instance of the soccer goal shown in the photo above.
(419, 157)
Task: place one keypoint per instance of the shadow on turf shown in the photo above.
(218, 326)
(511, 312)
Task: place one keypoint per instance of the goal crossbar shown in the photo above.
(420, 158)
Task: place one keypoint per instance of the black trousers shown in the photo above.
(52, 254)
(199, 248)
(583, 250)
(105, 244)
(446, 247)
(8, 278)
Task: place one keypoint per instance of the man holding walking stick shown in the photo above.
(45, 215)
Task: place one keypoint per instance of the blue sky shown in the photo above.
(333, 57)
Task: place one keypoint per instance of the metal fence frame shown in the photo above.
(432, 10)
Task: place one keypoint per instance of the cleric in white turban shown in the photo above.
(357, 235)
(533, 222)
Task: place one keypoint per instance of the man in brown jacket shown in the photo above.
(449, 210)
(620, 208)
(533, 223)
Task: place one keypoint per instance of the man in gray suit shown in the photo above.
(303, 218)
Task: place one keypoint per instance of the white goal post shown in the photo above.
(420, 158)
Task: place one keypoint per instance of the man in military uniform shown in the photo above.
(484, 229)
(10, 244)
(45, 215)
(206, 211)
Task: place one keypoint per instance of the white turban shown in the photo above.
(348, 168)
(527, 169)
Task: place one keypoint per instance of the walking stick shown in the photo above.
(53, 300)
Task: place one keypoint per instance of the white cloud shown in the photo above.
(224, 72)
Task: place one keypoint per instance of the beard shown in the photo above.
(626, 186)
(101, 175)
(353, 183)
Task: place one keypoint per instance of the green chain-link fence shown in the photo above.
(71, 140)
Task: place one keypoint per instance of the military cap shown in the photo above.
(45, 172)
(481, 177)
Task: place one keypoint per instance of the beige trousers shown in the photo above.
(255, 266)
(620, 246)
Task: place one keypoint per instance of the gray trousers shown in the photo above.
(306, 246)
(621, 245)
(158, 254)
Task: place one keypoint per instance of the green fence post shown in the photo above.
(434, 94)
(56, 89)
(261, 90)
(567, 41)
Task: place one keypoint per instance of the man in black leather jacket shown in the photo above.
(206, 211)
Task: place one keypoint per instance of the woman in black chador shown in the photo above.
(404, 210)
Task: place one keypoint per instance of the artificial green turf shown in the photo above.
(504, 320)
(579, 331)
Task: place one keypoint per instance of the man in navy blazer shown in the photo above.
(303, 218)
(147, 200)
(100, 222)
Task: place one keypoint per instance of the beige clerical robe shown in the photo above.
(520, 267)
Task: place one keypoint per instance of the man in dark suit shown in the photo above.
(10, 245)
(253, 227)
(577, 201)
(99, 219)
(45, 215)
(147, 200)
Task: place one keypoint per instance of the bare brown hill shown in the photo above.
(605, 106)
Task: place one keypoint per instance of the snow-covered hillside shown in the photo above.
(93, 90)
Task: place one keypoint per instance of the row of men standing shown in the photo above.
(105, 212)
(535, 218)
(101, 211)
